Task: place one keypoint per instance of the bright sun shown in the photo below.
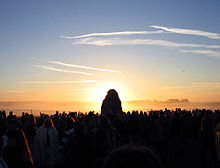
(100, 92)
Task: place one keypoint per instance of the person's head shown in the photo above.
(131, 157)
(21, 138)
(20, 145)
(13, 124)
(32, 119)
(48, 123)
(70, 122)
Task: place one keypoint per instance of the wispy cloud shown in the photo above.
(207, 83)
(112, 34)
(128, 41)
(193, 85)
(213, 46)
(189, 32)
(80, 90)
(103, 39)
(61, 70)
(177, 87)
(16, 91)
(205, 52)
(56, 82)
(83, 67)
(163, 30)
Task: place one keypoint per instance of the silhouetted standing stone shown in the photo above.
(111, 105)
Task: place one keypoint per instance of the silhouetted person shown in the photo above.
(10, 116)
(129, 157)
(82, 149)
(2, 163)
(217, 142)
(174, 135)
(3, 123)
(111, 105)
(68, 134)
(18, 153)
(30, 129)
(46, 145)
(69, 130)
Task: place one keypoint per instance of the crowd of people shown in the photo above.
(153, 139)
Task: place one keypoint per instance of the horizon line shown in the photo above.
(217, 101)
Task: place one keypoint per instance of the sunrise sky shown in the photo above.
(76, 50)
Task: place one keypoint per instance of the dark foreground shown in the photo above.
(169, 139)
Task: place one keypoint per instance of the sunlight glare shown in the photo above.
(100, 92)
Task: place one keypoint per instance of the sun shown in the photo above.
(100, 92)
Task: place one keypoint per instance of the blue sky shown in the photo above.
(158, 64)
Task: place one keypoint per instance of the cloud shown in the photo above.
(205, 52)
(105, 40)
(57, 82)
(164, 29)
(112, 34)
(207, 83)
(213, 46)
(61, 70)
(16, 91)
(189, 32)
(177, 87)
(129, 41)
(193, 85)
(80, 90)
(83, 67)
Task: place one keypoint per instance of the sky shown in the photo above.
(76, 50)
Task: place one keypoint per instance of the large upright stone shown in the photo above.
(111, 105)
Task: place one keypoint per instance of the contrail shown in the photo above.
(189, 31)
(57, 82)
(83, 67)
(205, 52)
(112, 34)
(61, 70)
(126, 41)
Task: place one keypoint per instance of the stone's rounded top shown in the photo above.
(112, 94)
